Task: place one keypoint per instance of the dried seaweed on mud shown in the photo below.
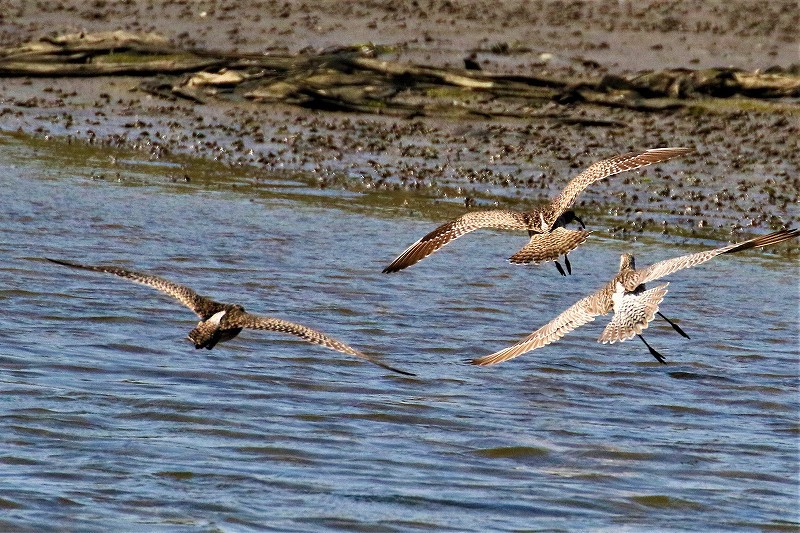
(355, 79)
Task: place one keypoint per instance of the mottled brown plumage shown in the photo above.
(549, 246)
(538, 222)
(220, 322)
(634, 306)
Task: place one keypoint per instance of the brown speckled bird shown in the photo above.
(220, 322)
(549, 239)
(634, 306)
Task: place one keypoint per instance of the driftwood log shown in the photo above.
(354, 79)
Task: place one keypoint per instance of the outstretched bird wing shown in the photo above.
(603, 169)
(582, 312)
(500, 219)
(202, 306)
(668, 266)
(549, 246)
(251, 321)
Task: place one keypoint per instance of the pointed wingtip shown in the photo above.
(676, 150)
(397, 370)
(765, 240)
(665, 154)
(395, 266)
(64, 262)
(489, 360)
(384, 365)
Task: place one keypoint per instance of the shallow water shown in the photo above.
(111, 420)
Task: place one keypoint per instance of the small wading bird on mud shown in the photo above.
(549, 239)
(221, 322)
(634, 306)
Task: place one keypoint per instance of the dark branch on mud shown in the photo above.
(353, 79)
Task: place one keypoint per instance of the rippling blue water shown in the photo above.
(111, 420)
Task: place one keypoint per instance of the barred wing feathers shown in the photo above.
(549, 246)
(202, 306)
(251, 321)
(669, 266)
(582, 312)
(444, 234)
(604, 169)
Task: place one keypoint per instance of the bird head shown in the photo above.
(569, 216)
(626, 262)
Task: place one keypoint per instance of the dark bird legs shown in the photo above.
(660, 358)
(563, 220)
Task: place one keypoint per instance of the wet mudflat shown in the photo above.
(111, 420)
(452, 139)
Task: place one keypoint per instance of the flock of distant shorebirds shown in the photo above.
(634, 305)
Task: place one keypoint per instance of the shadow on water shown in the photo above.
(112, 420)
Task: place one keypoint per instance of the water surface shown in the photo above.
(111, 420)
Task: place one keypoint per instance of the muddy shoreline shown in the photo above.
(743, 177)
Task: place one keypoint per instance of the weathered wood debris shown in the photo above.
(355, 79)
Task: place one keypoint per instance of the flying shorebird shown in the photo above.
(634, 306)
(549, 239)
(220, 322)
